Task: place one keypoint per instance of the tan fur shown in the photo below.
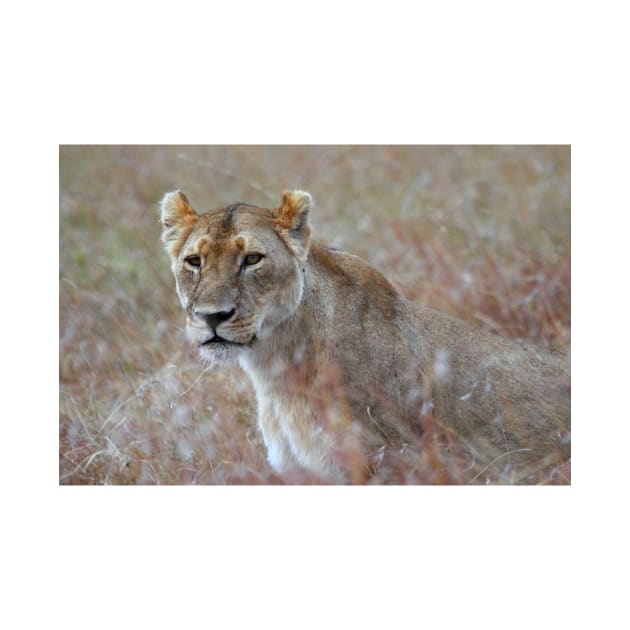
(349, 374)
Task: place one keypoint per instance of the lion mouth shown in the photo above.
(217, 339)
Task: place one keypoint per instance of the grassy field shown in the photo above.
(482, 233)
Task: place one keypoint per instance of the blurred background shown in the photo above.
(480, 232)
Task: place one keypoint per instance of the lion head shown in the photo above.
(237, 269)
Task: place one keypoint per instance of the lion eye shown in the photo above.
(193, 261)
(252, 259)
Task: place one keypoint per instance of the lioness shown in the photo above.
(348, 373)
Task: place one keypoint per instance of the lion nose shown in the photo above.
(213, 319)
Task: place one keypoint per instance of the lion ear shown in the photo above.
(178, 219)
(292, 223)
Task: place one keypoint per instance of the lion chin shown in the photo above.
(222, 351)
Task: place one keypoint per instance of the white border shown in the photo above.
(450, 72)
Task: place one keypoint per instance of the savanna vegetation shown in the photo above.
(482, 233)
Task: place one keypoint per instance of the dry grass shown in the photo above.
(480, 232)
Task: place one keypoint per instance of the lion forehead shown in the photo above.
(230, 230)
(226, 221)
